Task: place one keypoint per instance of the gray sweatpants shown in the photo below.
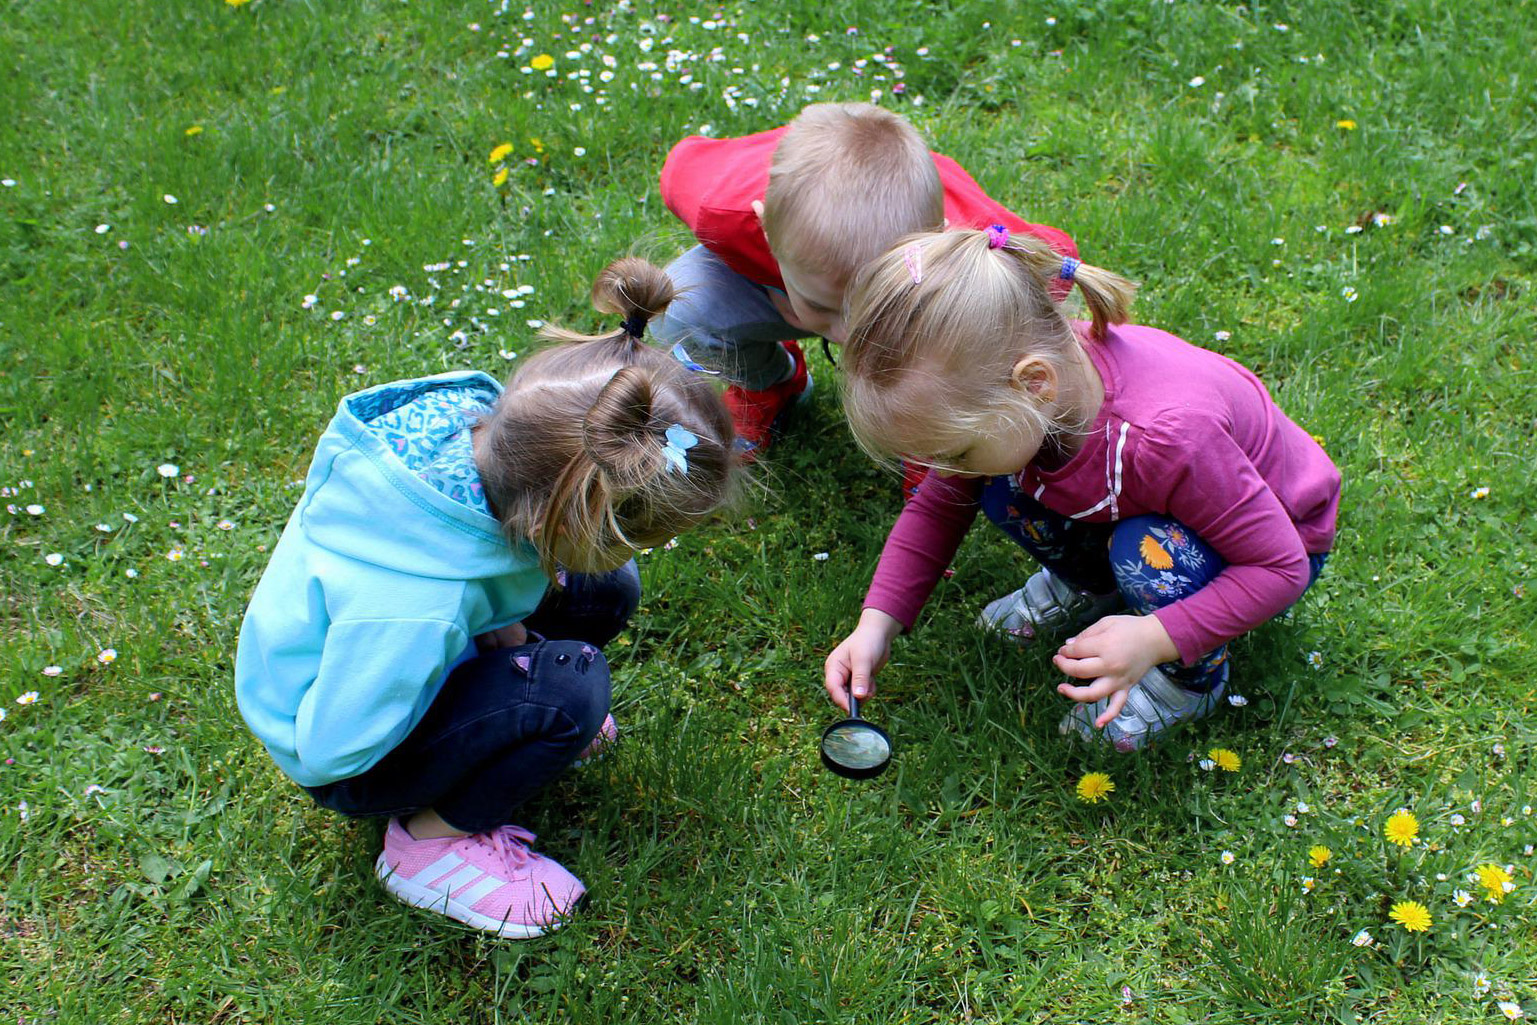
(725, 322)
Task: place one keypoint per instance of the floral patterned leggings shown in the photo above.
(1152, 560)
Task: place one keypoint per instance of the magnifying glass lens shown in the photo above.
(856, 745)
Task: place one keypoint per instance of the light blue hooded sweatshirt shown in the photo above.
(388, 568)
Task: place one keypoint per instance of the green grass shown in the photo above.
(163, 870)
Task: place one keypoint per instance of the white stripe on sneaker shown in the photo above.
(447, 863)
(472, 896)
(466, 875)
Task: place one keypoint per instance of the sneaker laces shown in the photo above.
(509, 843)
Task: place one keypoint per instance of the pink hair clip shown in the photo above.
(997, 236)
(913, 257)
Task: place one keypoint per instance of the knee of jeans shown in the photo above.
(687, 319)
(583, 685)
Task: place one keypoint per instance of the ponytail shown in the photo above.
(634, 289)
(1107, 295)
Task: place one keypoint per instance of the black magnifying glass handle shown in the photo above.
(853, 704)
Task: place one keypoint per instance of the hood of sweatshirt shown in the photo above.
(369, 496)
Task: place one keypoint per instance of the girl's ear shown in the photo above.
(1036, 377)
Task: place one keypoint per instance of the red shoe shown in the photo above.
(756, 414)
(912, 476)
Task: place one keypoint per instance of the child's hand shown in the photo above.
(1114, 654)
(509, 636)
(862, 654)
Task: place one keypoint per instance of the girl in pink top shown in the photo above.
(1147, 476)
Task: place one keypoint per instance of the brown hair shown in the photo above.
(938, 323)
(847, 179)
(574, 448)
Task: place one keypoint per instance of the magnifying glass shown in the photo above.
(854, 748)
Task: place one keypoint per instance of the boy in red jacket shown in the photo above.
(784, 218)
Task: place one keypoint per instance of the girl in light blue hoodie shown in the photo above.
(425, 643)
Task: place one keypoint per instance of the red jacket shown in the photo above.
(710, 184)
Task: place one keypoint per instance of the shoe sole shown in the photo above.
(418, 896)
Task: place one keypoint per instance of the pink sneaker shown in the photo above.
(491, 881)
(608, 733)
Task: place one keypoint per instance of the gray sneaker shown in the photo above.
(1046, 604)
(1153, 704)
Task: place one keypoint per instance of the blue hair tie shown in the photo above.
(1069, 268)
(675, 449)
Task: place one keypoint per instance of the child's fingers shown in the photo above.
(860, 683)
(1112, 709)
(1082, 645)
(1100, 688)
(862, 672)
(1086, 668)
(1081, 641)
(835, 678)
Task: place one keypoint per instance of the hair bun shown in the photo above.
(619, 418)
(635, 289)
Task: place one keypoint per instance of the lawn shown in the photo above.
(217, 219)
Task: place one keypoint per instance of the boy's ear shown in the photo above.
(1036, 377)
(757, 211)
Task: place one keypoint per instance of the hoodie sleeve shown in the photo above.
(376, 677)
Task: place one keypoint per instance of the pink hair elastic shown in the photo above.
(997, 236)
(913, 257)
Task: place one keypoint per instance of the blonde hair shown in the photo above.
(575, 447)
(937, 325)
(847, 179)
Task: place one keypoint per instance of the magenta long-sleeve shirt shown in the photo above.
(1183, 432)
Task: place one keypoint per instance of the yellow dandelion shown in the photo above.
(1319, 855)
(194, 130)
(500, 153)
(543, 62)
(1402, 828)
(1493, 879)
(1412, 915)
(499, 178)
(1227, 761)
(237, 3)
(1345, 123)
(1095, 787)
(1153, 553)
(537, 143)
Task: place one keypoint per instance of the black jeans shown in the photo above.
(507, 721)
